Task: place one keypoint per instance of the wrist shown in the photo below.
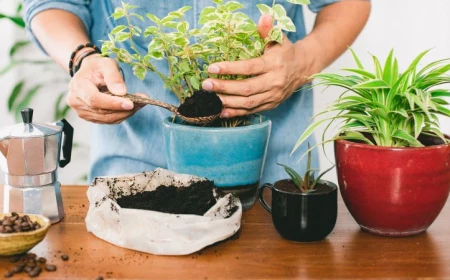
(311, 55)
(79, 54)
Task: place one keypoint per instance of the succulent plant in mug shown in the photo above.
(308, 182)
(387, 107)
(225, 34)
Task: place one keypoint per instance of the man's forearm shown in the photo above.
(336, 27)
(59, 33)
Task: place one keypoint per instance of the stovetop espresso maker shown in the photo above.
(30, 157)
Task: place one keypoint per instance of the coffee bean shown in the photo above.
(19, 268)
(99, 278)
(7, 229)
(7, 222)
(65, 257)
(50, 267)
(31, 256)
(31, 264)
(14, 259)
(14, 214)
(28, 269)
(8, 274)
(35, 272)
(42, 260)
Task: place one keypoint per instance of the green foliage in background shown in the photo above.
(23, 92)
(386, 107)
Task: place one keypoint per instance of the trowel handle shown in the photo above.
(67, 143)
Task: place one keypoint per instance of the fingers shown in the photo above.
(249, 67)
(265, 24)
(87, 92)
(113, 118)
(112, 77)
(230, 113)
(245, 87)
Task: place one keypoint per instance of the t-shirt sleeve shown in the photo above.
(80, 8)
(317, 5)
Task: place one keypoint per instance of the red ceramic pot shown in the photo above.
(393, 191)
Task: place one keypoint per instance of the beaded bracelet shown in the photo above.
(78, 66)
(72, 56)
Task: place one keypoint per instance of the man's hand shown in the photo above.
(277, 74)
(92, 105)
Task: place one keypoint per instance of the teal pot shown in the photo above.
(232, 157)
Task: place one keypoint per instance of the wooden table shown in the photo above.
(259, 252)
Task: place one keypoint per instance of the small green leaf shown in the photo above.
(17, 46)
(151, 30)
(279, 11)
(372, 84)
(195, 82)
(141, 18)
(264, 9)
(153, 18)
(139, 72)
(400, 134)
(183, 26)
(419, 122)
(232, 6)
(118, 29)
(296, 178)
(275, 35)
(17, 20)
(286, 24)
(14, 94)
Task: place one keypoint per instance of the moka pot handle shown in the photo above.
(67, 143)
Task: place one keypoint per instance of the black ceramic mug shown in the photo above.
(302, 217)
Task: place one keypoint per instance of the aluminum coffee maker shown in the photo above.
(30, 157)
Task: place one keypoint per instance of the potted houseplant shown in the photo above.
(303, 208)
(230, 151)
(392, 158)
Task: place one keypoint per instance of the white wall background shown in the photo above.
(408, 26)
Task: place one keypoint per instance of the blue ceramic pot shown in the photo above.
(232, 157)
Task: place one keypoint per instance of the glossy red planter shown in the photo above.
(393, 191)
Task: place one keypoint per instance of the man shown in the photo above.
(133, 141)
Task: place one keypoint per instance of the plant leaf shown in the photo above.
(14, 94)
(296, 178)
(17, 20)
(17, 46)
(400, 134)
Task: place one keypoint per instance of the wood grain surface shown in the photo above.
(258, 253)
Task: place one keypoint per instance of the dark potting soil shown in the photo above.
(289, 186)
(196, 199)
(201, 104)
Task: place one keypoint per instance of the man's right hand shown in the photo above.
(92, 105)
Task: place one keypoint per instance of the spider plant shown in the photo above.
(308, 182)
(386, 107)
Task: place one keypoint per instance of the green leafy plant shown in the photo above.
(308, 182)
(386, 107)
(225, 35)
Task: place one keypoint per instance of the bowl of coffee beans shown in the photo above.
(19, 233)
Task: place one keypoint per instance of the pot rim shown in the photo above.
(381, 148)
(266, 122)
(330, 184)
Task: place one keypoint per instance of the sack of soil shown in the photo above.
(211, 218)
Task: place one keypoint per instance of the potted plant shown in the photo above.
(230, 151)
(392, 158)
(303, 208)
